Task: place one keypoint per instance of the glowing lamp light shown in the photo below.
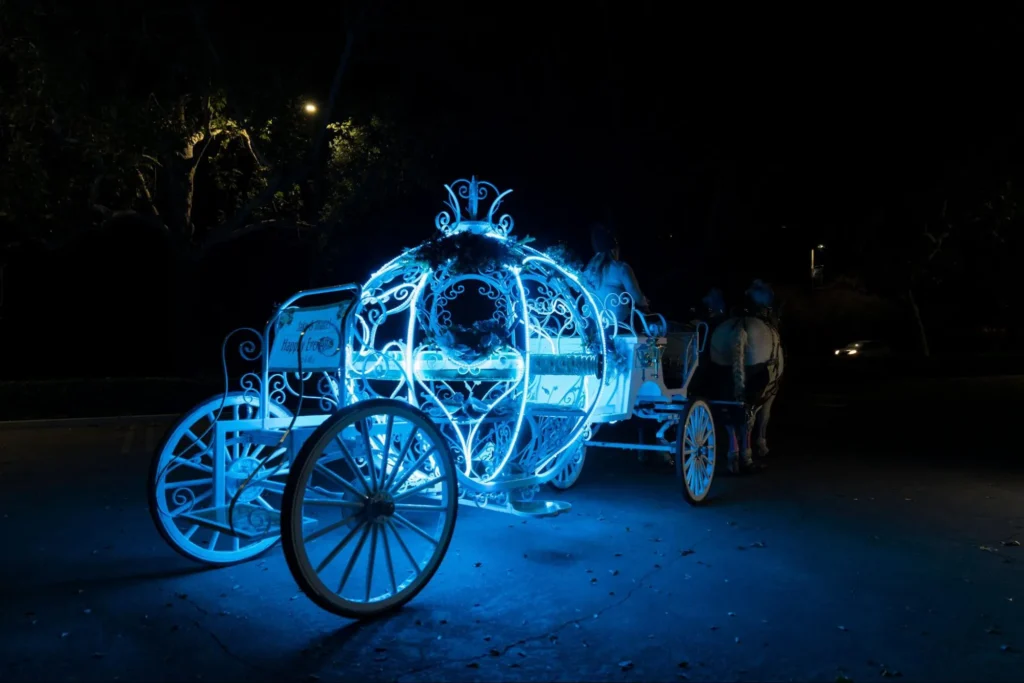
(310, 108)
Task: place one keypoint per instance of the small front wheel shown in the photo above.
(369, 508)
(570, 474)
(695, 452)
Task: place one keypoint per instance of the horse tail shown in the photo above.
(739, 374)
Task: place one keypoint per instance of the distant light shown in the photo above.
(310, 108)
(670, 235)
(821, 246)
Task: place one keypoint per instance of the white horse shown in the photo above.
(746, 351)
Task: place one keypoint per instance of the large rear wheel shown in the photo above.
(369, 508)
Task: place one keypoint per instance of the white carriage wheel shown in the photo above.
(696, 452)
(181, 480)
(363, 535)
(570, 474)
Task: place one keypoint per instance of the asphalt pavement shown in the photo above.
(881, 543)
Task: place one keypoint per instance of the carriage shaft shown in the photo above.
(664, 448)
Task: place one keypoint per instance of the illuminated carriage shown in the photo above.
(471, 369)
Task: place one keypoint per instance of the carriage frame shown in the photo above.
(290, 351)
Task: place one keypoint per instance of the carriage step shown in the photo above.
(538, 509)
(250, 522)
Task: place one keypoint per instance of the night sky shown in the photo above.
(641, 110)
(698, 134)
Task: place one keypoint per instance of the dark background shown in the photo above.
(722, 146)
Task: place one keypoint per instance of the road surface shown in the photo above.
(869, 550)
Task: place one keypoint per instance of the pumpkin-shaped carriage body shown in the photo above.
(499, 344)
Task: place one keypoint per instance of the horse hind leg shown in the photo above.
(733, 459)
(748, 452)
(762, 427)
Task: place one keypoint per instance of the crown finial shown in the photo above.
(467, 218)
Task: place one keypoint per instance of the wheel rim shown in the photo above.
(698, 451)
(184, 480)
(372, 530)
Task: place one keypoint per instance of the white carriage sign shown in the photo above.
(318, 329)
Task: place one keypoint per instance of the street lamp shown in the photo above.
(815, 270)
(310, 108)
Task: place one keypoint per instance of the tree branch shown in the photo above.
(223, 232)
(145, 191)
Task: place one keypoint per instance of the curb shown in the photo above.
(71, 422)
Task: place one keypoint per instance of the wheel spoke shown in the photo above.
(352, 560)
(412, 527)
(389, 483)
(370, 562)
(212, 545)
(196, 440)
(338, 479)
(187, 484)
(337, 549)
(408, 472)
(180, 461)
(323, 531)
(388, 560)
(347, 455)
(405, 548)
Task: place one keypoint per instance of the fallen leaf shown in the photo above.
(987, 549)
(741, 547)
(684, 664)
(473, 665)
(626, 665)
(757, 544)
(1011, 543)
(618, 554)
(494, 652)
(1007, 648)
(686, 552)
(477, 564)
(731, 614)
(613, 572)
(593, 580)
(737, 639)
(842, 628)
